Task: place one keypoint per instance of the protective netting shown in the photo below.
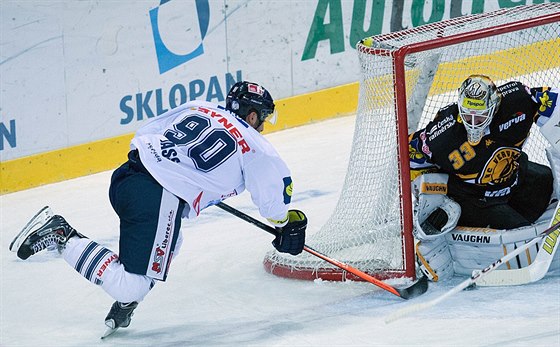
(367, 229)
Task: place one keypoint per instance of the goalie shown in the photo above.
(468, 169)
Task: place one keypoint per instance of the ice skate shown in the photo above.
(44, 231)
(119, 316)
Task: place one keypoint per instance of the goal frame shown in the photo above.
(400, 95)
(398, 57)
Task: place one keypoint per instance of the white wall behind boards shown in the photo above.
(74, 72)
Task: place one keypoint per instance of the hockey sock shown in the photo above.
(101, 266)
(88, 258)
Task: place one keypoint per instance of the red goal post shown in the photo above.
(406, 77)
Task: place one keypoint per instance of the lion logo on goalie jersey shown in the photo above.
(501, 166)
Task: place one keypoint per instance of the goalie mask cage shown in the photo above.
(406, 77)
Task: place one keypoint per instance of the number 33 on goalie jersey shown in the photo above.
(204, 154)
(492, 164)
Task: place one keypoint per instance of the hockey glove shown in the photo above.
(435, 214)
(291, 237)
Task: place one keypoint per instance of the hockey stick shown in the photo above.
(475, 277)
(534, 271)
(417, 288)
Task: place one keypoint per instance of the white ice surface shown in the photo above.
(218, 294)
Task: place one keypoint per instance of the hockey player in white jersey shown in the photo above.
(180, 163)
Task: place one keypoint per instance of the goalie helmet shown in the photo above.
(479, 100)
(246, 97)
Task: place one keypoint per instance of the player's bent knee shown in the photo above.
(125, 286)
(102, 267)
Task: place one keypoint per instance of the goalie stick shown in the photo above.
(534, 271)
(417, 288)
(475, 277)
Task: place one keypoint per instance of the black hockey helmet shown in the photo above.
(246, 97)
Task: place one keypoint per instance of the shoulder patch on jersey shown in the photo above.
(547, 102)
(413, 152)
(288, 188)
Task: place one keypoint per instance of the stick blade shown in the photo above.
(416, 289)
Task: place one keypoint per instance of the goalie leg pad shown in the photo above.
(553, 156)
(102, 267)
(475, 248)
(434, 259)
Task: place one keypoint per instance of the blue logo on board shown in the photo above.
(167, 59)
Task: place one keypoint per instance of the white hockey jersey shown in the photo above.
(204, 154)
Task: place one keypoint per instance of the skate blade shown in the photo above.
(110, 324)
(109, 332)
(34, 223)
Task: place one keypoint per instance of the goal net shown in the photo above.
(406, 77)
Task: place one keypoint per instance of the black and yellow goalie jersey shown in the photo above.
(489, 168)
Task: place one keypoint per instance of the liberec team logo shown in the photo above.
(167, 59)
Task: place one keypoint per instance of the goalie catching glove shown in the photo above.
(435, 214)
(291, 237)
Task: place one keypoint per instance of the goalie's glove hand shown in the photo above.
(291, 237)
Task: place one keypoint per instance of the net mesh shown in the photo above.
(366, 227)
